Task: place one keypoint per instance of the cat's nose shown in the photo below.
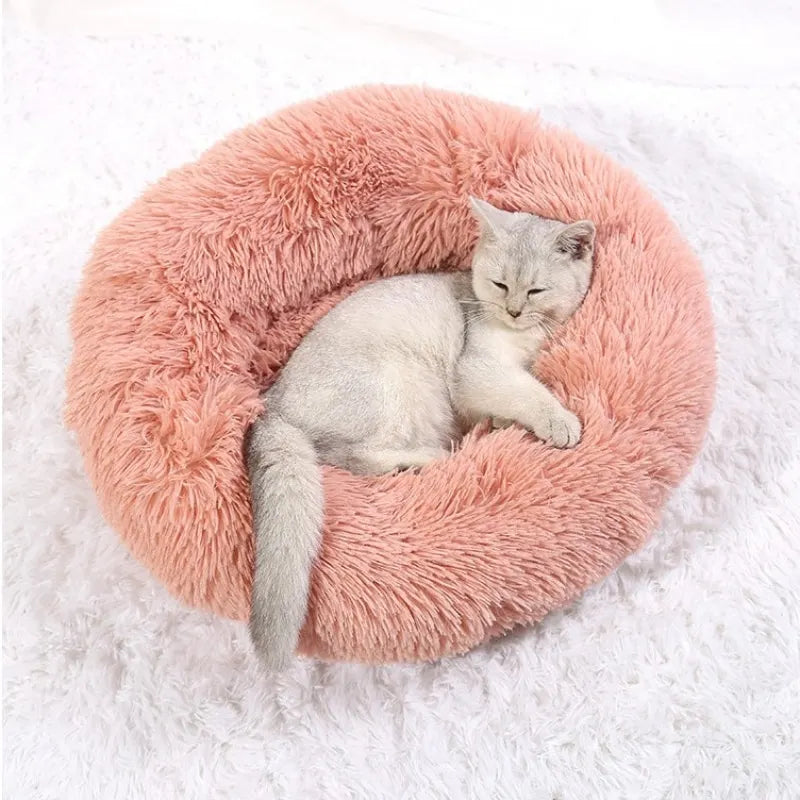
(513, 313)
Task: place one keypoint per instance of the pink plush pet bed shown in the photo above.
(196, 295)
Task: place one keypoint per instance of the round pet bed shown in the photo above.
(196, 295)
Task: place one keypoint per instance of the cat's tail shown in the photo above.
(288, 505)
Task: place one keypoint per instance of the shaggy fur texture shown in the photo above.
(195, 296)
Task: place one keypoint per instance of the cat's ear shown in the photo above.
(577, 239)
(492, 220)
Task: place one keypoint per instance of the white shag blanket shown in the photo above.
(677, 677)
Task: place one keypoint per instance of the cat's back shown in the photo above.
(420, 313)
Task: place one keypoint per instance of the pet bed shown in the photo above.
(196, 295)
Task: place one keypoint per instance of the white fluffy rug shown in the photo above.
(677, 677)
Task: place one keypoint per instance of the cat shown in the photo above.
(392, 377)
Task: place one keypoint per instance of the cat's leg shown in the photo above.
(511, 393)
(380, 461)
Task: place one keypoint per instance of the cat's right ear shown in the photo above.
(577, 239)
(492, 220)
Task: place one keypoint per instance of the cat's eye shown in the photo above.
(500, 286)
(532, 292)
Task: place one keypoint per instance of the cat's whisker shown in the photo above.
(480, 303)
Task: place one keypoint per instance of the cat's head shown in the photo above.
(528, 271)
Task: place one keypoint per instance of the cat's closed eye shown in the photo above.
(500, 285)
(532, 292)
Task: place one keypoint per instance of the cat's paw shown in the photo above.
(559, 427)
(499, 423)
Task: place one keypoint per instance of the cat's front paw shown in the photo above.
(559, 427)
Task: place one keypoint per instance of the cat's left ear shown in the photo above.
(493, 220)
(577, 239)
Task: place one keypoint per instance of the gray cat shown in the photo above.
(391, 378)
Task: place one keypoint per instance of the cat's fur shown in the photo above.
(392, 376)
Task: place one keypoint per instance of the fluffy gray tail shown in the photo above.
(288, 505)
